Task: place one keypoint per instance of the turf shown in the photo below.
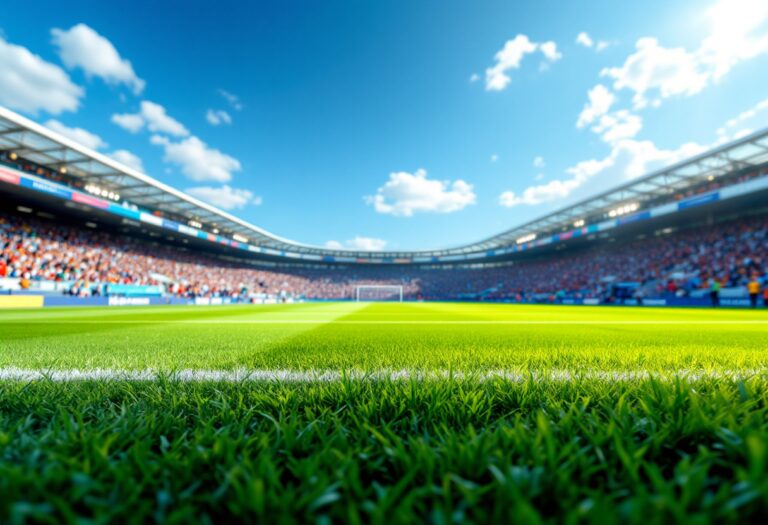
(351, 336)
(573, 433)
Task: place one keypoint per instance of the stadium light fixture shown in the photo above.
(526, 238)
(102, 192)
(195, 224)
(240, 238)
(13, 156)
(63, 169)
(579, 223)
(623, 210)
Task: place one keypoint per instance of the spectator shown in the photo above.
(753, 287)
(714, 292)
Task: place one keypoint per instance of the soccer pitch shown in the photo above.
(373, 413)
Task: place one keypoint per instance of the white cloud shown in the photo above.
(79, 135)
(405, 194)
(511, 57)
(538, 162)
(158, 121)
(628, 159)
(742, 133)
(80, 46)
(744, 116)
(152, 115)
(584, 39)
(656, 69)
(600, 101)
(494, 158)
(29, 83)
(474, 77)
(198, 161)
(225, 197)
(654, 72)
(132, 122)
(367, 244)
(733, 38)
(601, 45)
(618, 125)
(550, 52)
(216, 117)
(233, 100)
(129, 159)
(556, 189)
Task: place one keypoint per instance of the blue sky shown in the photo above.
(398, 124)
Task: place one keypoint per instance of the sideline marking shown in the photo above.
(320, 376)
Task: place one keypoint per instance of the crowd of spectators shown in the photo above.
(87, 262)
(730, 254)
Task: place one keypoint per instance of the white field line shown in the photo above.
(320, 376)
(388, 322)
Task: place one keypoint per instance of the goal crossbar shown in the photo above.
(379, 293)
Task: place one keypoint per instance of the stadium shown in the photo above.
(164, 360)
(668, 234)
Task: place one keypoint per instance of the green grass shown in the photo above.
(463, 448)
(358, 337)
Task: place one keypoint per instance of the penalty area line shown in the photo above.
(329, 376)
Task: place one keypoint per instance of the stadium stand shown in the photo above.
(84, 262)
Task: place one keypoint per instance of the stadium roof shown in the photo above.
(50, 149)
(748, 152)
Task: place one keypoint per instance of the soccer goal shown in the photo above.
(368, 293)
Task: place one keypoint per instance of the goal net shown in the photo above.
(378, 293)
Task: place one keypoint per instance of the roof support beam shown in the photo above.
(9, 131)
(21, 149)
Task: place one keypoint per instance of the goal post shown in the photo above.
(369, 293)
